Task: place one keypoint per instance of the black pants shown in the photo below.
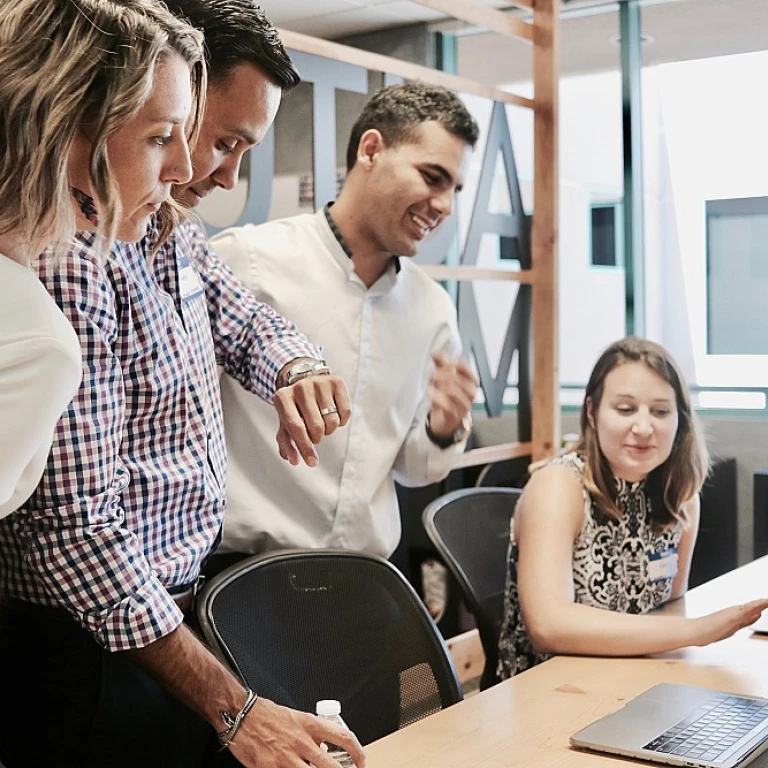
(65, 702)
(218, 563)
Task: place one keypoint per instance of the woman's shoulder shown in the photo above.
(572, 462)
(554, 499)
(558, 477)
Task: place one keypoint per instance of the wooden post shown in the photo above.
(546, 385)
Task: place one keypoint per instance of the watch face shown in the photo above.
(303, 367)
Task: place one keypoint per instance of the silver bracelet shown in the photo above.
(227, 736)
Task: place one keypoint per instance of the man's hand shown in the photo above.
(452, 392)
(308, 410)
(272, 736)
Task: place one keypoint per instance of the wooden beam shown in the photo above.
(459, 273)
(491, 454)
(481, 15)
(379, 63)
(545, 397)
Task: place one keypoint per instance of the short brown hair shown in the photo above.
(238, 32)
(396, 111)
(683, 474)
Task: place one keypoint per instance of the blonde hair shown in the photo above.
(683, 474)
(65, 64)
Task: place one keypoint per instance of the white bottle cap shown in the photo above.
(328, 708)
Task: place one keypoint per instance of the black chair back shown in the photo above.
(300, 626)
(470, 530)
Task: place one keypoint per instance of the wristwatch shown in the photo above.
(442, 441)
(304, 368)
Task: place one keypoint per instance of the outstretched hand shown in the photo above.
(722, 624)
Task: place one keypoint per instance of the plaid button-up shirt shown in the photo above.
(134, 491)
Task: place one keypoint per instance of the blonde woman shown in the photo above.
(95, 100)
(603, 535)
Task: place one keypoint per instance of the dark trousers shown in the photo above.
(217, 563)
(65, 702)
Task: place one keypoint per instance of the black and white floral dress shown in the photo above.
(611, 570)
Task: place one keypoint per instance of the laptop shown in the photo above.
(683, 725)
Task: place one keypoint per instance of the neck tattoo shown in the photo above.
(87, 205)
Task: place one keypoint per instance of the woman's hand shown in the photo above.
(721, 624)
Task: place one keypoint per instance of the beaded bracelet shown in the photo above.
(227, 736)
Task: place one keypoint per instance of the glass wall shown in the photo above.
(706, 217)
(591, 270)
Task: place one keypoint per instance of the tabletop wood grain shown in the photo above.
(526, 721)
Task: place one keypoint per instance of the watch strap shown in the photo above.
(446, 441)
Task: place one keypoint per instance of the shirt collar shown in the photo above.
(343, 243)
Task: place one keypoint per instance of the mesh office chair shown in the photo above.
(510, 473)
(300, 626)
(470, 530)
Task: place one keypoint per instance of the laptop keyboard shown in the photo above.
(712, 729)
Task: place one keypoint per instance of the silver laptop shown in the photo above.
(683, 725)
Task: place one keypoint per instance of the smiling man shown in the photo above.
(344, 275)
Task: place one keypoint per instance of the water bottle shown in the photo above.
(330, 710)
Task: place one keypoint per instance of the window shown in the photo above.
(737, 276)
(607, 236)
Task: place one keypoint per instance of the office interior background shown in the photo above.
(697, 276)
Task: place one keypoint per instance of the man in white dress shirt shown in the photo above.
(343, 275)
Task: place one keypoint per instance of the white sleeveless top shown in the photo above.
(40, 371)
(612, 566)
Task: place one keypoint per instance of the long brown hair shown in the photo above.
(683, 474)
(65, 64)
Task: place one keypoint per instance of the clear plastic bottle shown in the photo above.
(330, 709)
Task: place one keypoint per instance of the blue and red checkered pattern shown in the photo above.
(134, 491)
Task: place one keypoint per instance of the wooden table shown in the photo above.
(526, 721)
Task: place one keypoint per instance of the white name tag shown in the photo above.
(662, 565)
(189, 283)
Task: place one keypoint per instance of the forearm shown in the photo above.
(252, 341)
(193, 674)
(582, 630)
(266, 346)
(271, 736)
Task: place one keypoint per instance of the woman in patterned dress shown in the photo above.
(604, 534)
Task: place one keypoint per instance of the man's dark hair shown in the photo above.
(238, 31)
(396, 111)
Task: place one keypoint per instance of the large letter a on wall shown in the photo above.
(514, 230)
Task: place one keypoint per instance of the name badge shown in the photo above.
(662, 565)
(189, 283)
